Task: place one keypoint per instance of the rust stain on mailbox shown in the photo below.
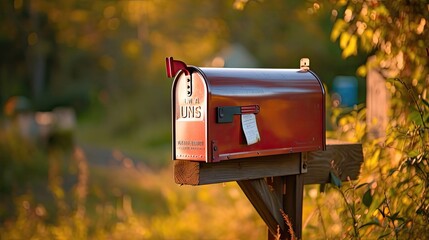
(229, 113)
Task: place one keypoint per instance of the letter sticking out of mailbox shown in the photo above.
(229, 113)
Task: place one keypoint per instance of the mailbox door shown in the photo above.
(189, 117)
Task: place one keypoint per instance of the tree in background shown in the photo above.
(396, 203)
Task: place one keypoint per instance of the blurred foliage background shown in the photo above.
(87, 80)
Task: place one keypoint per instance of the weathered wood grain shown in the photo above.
(293, 203)
(200, 173)
(267, 202)
(344, 160)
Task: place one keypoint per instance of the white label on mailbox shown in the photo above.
(248, 123)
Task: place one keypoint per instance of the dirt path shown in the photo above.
(103, 156)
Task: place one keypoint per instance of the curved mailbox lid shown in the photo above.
(255, 81)
(290, 116)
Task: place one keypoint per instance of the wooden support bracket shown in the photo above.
(267, 201)
(276, 183)
(200, 173)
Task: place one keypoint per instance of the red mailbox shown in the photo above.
(228, 113)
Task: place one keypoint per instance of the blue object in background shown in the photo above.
(346, 87)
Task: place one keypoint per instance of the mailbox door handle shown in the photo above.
(226, 114)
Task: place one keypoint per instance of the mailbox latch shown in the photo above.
(226, 114)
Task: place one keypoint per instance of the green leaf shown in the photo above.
(362, 71)
(344, 39)
(420, 211)
(351, 48)
(413, 153)
(425, 102)
(367, 198)
(335, 180)
(370, 224)
(361, 185)
(366, 42)
(392, 171)
(381, 212)
(338, 28)
(394, 216)
(415, 117)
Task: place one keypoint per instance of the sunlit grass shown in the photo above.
(115, 186)
(121, 198)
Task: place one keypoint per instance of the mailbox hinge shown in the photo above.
(304, 163)
(215, 150)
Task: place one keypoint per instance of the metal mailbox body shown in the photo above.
(207, 104)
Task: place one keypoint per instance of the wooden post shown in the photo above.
(290, 190)
(292, 204)
(377, 101)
